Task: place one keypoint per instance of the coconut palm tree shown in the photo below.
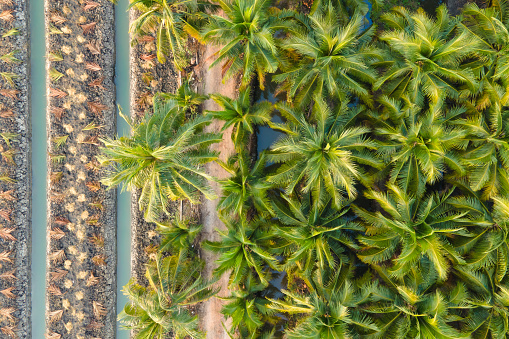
(413, 308)
(241, 114)
(172, 21)
(412, 231)
(421, 146)
(162, 307)
(164, 157)
(177, 235)
(244, 247)
(247, 308)
(185, 97)
(331, 58)
(246, 188)
(329, 311)
(319, 239)
(246, 33)
(322, 155)
(425, 57)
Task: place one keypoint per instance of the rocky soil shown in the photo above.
(15, 171)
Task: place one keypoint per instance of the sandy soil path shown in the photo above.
(210, 312)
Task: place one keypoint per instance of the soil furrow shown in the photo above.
(15, 171)
(81, 252)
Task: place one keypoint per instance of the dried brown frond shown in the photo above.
(147, 57)
(93, 48)
(55, 315)
(99, 310)
(56, 276)
(97, 240)
(6, 214)
(91, 281)
(7, 195)
(96, 107)
(5, 256)
(58, 112)
(52, 289)
(9, 275)
(57, 256)
(92, 66)
(94, 325)
(90, 5)
(52, 335)
(6, 313)
(145, 100)
(97, 83)
(57, 197)
(10, 331)
(8, 156)
(10, 93)
(8, 292)
(146, 38)
(94, 186)
(56, 233)
(93, 165)
(7, 15)
(6, 113)
(62, 221)
(55, 177)
(87, 28)
(57, 18)
(99, 260)
(6, 2)
(92, 140)
(5, 233)
(57, 93)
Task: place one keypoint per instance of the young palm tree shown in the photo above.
(186, 98)
(246, 188)
(329, 311)
(413, 308)
(163, 157)
(425, 57)
(488, 154)
(319, 239)
(247, 36)
(411, 231)
(324, 154)
(162, 307)
(241, 114)
(177, 235)
(172, 21)
(331, 58)
(420, 147)
(248, 310)
(243, 248)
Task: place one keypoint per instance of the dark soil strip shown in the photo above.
(147, 78)
(15, 171)
(81, 262)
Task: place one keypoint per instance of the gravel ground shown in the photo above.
(81, 252)
(15, 219)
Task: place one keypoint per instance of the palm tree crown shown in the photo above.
(163, 157)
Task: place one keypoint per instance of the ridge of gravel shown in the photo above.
(17, 212)
(81, 232)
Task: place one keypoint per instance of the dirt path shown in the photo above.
(210, 312)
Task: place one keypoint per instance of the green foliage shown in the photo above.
(332, 58)
(246, 34)
(171, 22)
(241, 114)
(160, 308)
(10, 58)
(177, 235)
(163, 157)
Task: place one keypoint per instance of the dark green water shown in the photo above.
(38, 82)
(123, 198)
